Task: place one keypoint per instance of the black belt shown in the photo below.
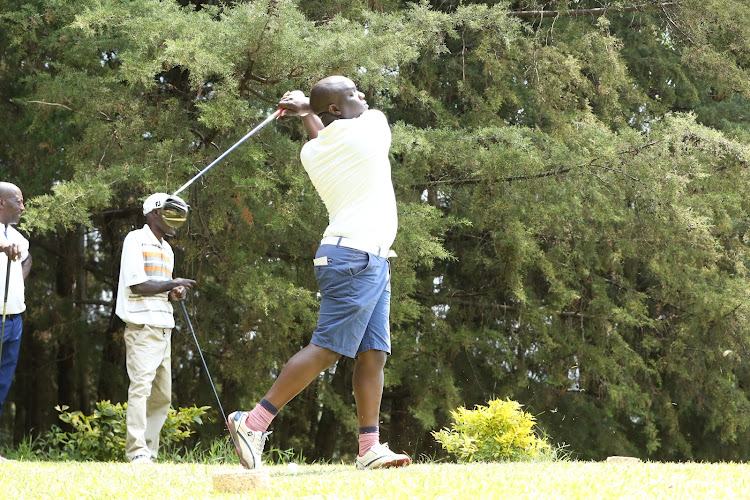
(8, 316)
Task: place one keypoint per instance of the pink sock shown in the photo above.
(259, 418)
(367, 441)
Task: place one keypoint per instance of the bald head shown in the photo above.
(336, 97)
(8, 189)
(11, 203)
(326, 91)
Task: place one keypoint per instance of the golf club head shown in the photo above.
(174, 212)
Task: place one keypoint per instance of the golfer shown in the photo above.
(15, 247)
(145, 288)
(347, 161)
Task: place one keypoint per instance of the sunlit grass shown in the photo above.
(568, 480)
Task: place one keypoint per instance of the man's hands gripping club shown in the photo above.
(296, 103)
(12, 250)
(177, 288)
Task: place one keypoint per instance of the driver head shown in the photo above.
(174, 210)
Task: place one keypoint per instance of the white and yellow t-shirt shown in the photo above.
(144, 258)
(348, 165)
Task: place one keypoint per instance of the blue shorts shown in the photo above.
(355, 287)
(11, 348)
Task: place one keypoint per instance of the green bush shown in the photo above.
(497, 432)
(101, 435)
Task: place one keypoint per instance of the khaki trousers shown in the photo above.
(149, 364)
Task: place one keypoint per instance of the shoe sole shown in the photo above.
(401, 462)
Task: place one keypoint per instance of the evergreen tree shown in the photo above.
(570, 177)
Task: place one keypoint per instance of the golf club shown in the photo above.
(5, 305)
(175, 214)
(262, 124)
(174, 211)
(210, 380)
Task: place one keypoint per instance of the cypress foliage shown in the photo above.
(570, 178)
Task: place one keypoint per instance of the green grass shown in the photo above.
(546, 480)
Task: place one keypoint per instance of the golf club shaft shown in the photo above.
(5, 306)
(221, 408)
(265, 122)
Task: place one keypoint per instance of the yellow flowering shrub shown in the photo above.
(499, 431)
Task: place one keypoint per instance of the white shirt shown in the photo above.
(348, 165)
(144, 258)
(16, 302)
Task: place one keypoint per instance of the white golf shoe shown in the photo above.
(248, 443)
(380, 457)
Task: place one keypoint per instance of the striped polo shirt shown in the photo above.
(144, 258)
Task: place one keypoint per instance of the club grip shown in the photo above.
(7, 281)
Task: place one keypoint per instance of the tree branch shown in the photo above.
(106, 118)
(52, 104)
(635, 150)
(530, 14)
(261, 96)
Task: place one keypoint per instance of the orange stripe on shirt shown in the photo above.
(156, 254)
(157, 268)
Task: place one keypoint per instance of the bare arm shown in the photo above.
(26, 266)
(295, 103)
(313, 125)
(177, 287)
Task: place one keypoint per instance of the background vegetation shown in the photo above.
(571, 178)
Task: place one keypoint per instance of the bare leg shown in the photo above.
(299, 371)
(368, 386)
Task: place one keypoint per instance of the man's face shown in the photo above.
(351, 102)
(11, 208)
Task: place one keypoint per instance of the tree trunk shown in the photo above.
(67, 270)
(327, 436)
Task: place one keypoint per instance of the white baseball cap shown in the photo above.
(154, 201)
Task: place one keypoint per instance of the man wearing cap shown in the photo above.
(14, 249)
(145, 288)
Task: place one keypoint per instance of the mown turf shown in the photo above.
(549, 480)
